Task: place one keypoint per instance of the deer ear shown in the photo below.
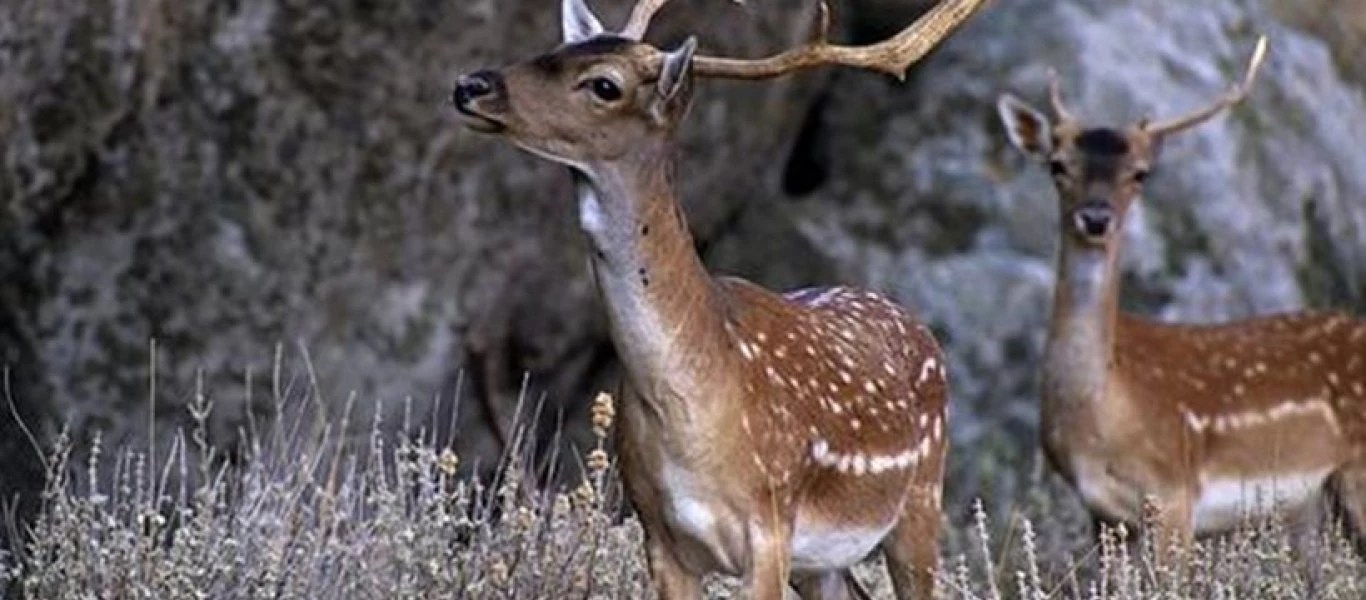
(674, 68)
(1026, 127)
(672, 97)
(577, 22)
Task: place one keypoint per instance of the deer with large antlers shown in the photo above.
(779, 437)
(1211, 424)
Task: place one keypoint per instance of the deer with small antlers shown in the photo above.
(779, 437)
(1211, 424)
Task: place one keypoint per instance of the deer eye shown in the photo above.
(605, 89)
(1056, 168)
(1140, 176)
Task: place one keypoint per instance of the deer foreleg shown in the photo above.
(769, 561)
(671, 579)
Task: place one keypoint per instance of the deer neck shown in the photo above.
(662, 306)
(1079, 353)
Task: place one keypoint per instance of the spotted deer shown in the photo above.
(1211, 423)
(782, 437)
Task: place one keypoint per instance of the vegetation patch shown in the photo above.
(304, 514)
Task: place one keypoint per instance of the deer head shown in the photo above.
(1098, 171)
(596, 98)
(601, 96)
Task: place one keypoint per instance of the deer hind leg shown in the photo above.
(1307, 528)
(830, 585)
(912, 547)
(1347, 488)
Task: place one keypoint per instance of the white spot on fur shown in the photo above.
(1195, 422)
(858, 463)
(1249, 419)
(926, 368)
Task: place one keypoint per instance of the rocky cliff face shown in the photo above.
(229, 178)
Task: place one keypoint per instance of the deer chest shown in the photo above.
(1109, 490)
(709, 533)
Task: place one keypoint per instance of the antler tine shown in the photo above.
(1233, 96)
(1055, 97)
(892, 56)
(639, 21)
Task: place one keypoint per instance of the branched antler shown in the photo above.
(1233, 96)
(892, 56)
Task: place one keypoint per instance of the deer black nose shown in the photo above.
(1093, 219)
(474, 86)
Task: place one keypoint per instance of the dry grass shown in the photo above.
(303, 515)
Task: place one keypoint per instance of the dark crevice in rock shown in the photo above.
(872, 21)
(1325, 273)
(21, 387)
(808, 164)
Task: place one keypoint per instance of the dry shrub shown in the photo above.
(304, 515)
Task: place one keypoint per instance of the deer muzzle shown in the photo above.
(481, 96)
(1093, 219)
